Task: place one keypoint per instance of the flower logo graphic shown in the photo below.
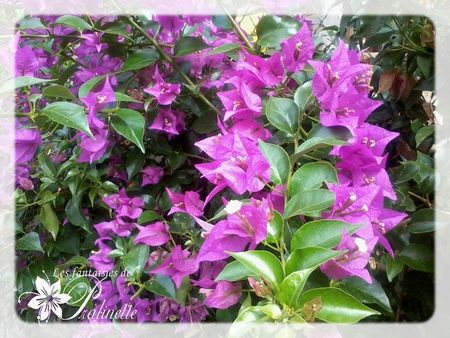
(48, 299)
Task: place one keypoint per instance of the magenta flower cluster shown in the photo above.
(234, 165)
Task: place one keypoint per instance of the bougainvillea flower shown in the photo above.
(93, 40)
(124, 205)
(208, 273)
(297, 50)
(169, 121)
(98, 100)
(194, 312)
(177, 265)
(27, 141)
(353, 262)
(152, 175)
(93, 148)
(218, 241)
(23, 179)
(241, 103)
(27, 63)
(188, 203)
(153, 234)
(165, 93)
(99, 259)
(224, 295)
(117, 227)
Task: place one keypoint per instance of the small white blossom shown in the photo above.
(233, 206)
(361, 244)
(48, 299)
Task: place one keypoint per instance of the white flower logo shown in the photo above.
(48, 299)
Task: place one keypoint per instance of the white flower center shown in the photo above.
(233, 206)
(361, 244)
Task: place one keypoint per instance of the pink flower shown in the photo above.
(165, 93)
(27, 141)
(153, 234)
(188, 203)
(169, 121)
(177, 266)
(152, 175)
(124, 205)
(224, 295)
(297, 50)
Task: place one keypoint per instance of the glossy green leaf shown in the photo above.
(422, 221)
(417, 257)
(78, 288)
(312, 176)
(68, 114)
(393, 267)
(234, 271)
(29, 242)
(130, 124)
(49, 220)
(292, 287)
(271, 30)
(324, 233)
(189, 44)
(161, 285)
(90, 84)
(275, 228)
(423, 133)
(134, 261)
(73, 21)
(309, 203)
(314, 143)
(140, 59)
(283, 114)
(367, 293)
(228, 47)
(264, 264)
(303, 96)
(148, 216)
(121, 97)
(278, 159)
(58, 91)
(309, 257)
(337, 306)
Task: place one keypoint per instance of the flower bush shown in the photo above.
(207, 175)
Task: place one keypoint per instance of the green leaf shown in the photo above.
(272, 310)
(90, 84)
(31, 23)
(29, 242)
(58, 91)
(189, 44)
(292, 287)
(252, 314)
(161, 285)
(309, 203)
(303, 96)
(73, 21)
(405, 172)
(228, 47)
(234, 271)
(367, 293)
(264, 264)
(271, 30)
(134, 261)
(147, 216)
(134, 164)
(275, 228)
(393, 267)
(337, 132)
(425, 64)
(422, 221)
(309, 257)
(68, 114)
(283, 114)
(121, 97)
(314, 143)
(49, 220)
(324, 233)
(22, 81)
(311, 176)
(337, 306)
(417, 257)
(423, 133)
(130, 124)
(140, 59)
(77, 287)
(278, 159)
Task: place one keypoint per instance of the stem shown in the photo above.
(138, 292)
(241, 34)
(424, 200)
(168, 59)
